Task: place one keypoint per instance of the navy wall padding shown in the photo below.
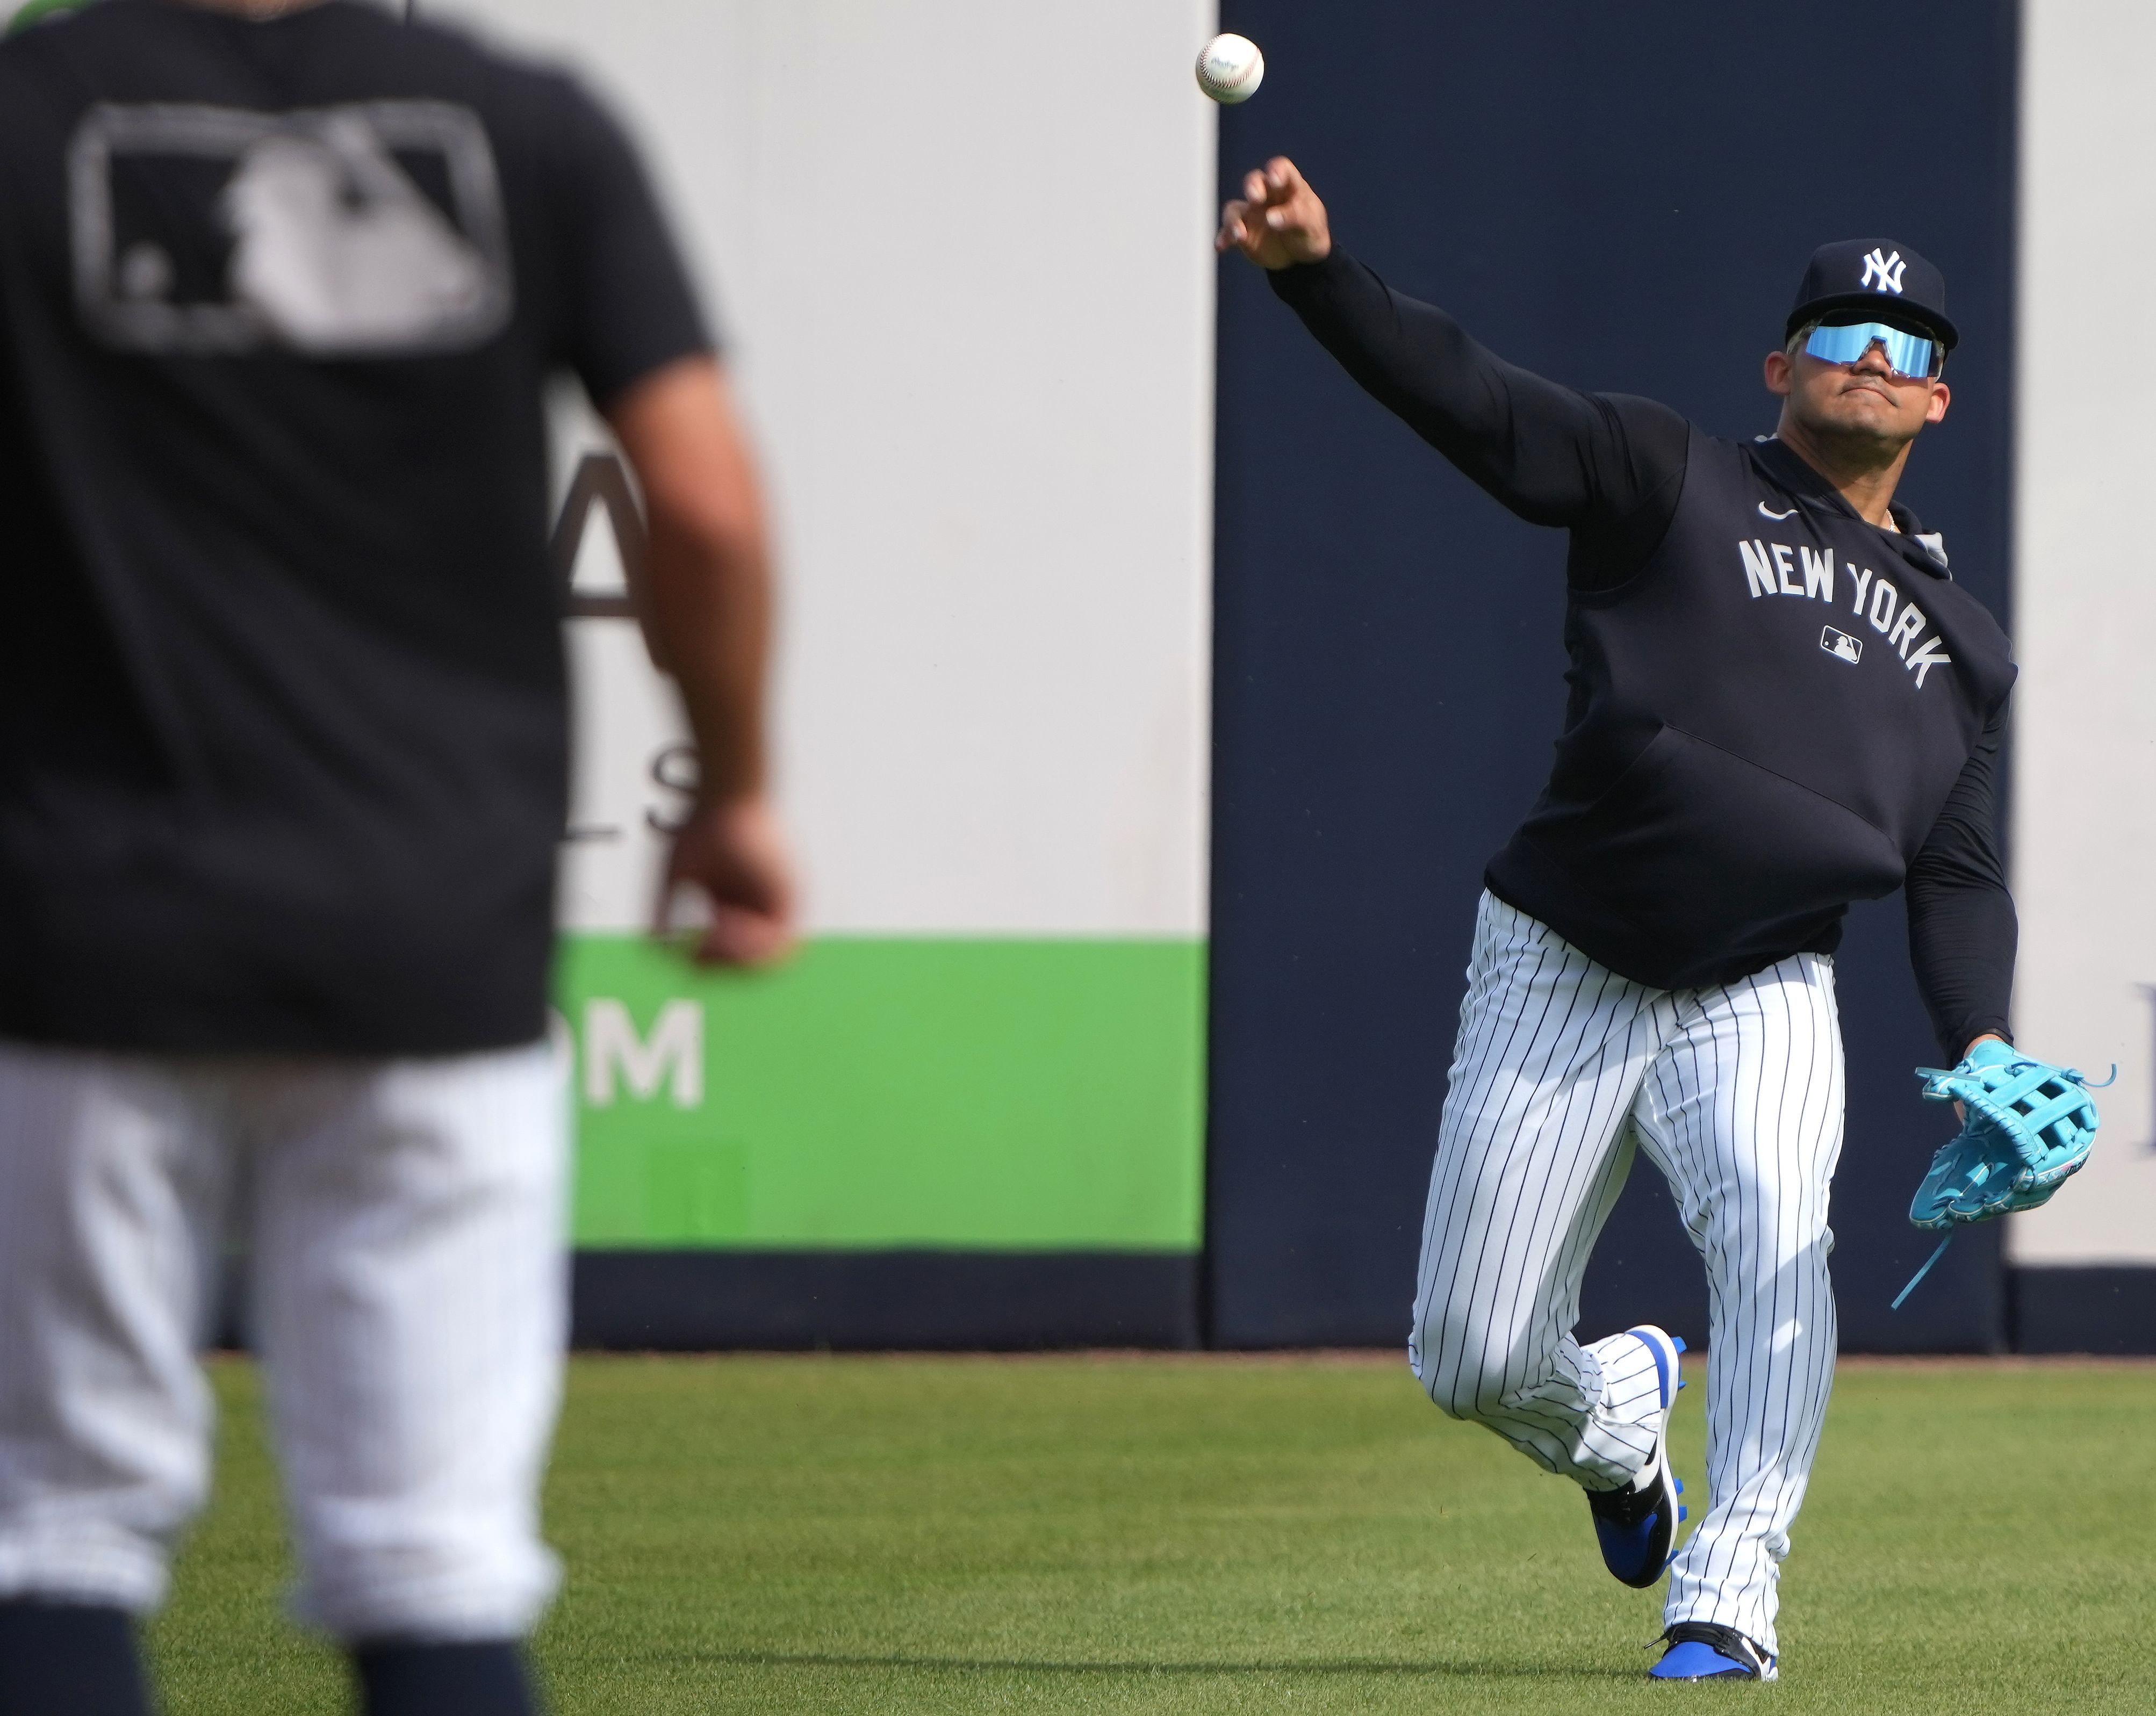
(2108, 1310)
(1623, 199)
(889, 1300)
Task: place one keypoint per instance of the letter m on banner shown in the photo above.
(674, 1052)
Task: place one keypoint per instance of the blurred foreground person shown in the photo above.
(282, 770)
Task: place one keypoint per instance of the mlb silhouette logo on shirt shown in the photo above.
(375, 228)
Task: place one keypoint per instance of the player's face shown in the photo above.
(1862, 401)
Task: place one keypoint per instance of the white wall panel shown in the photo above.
(961, 253)
(2085, 603)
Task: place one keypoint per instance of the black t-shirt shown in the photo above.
(282, 703)
(1612, 470)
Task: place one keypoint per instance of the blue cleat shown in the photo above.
(1637, 1526)
(1700, 1651)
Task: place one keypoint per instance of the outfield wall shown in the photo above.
(959, 253)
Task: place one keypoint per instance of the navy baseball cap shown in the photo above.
(1880, 277)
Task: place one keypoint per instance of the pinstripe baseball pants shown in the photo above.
(404, 1223)
(1562, 1068)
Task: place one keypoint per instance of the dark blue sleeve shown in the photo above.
(1607, 466)
(1963, 931)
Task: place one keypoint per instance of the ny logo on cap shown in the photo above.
(1886, 270)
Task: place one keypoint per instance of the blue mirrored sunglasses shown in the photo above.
(1910, 355)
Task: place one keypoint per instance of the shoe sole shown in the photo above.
(1740, 1672)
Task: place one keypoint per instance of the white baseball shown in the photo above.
(1230, 69)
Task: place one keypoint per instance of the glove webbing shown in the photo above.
(2000, 1103)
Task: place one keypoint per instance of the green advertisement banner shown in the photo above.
(883, 1093)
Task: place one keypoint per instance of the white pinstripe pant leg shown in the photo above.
(411, 1294)
(112, 1178)
(409, 1287)
(1743, 1110)
(1532, 1150)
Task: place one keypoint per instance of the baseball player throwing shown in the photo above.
(1781, 702)
(283, 748)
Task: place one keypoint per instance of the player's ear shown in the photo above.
(1942, 397)
(1781, 374)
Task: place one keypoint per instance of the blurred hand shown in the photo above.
(735, 854)
(1278, 222)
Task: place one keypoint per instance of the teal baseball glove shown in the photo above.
(2029, 1126)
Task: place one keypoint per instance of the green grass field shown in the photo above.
(1168, 1535)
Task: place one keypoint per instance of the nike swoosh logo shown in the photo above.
(1777, 516)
